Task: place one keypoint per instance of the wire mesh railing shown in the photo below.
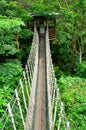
(31, 107)
(14, 117)
(56, 111)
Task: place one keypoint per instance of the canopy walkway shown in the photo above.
(36, 103)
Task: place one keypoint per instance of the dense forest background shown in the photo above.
(68, 50)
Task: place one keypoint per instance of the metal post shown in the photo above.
(53, 97)
(18, 101)
(60, 115)
(26, 84)
(31, 65)
(67, 126)
(29, 70)
(34, 51)
(24, 99)
(11, 116)
(57, 98)
(26, 68)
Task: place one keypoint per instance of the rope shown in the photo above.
(3, 116)
(31, 58)
(55, 96)
(5, 123)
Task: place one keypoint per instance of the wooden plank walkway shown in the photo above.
(41, 99)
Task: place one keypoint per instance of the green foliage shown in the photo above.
(4, 97)
(13, 31)
(26, 33)
(42, 10)
(9, 28)
(10, 73)
(81, 70)
(16, 10)
(71, 30)
(7, 50)
(73, 94)
(3, 6)
(10, 25)
(61, 55)
(58, 72)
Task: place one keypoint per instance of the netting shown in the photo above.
(56, 112)
(14, 117)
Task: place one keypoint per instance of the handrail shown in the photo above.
(17, 108)
(54, 99)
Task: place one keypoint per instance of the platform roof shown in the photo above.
(45, 15)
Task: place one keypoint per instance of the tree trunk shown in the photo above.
(72, 66)
(80, 55)
(17, 40)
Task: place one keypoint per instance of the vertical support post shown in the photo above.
(30, 63)
(51, 78)
(60, 115)
(35, 25)
(53, 74)
(57, 98)
(26, 84)
(33, 57)
(67, 126)
(53, 97)
(18, 101)
(24, 99)
(29, 70)
(26, 68)
(11, 116)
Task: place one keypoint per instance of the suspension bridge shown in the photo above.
(36, 103)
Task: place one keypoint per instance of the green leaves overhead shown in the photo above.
(11, 25)
(8, 31)
(42, 10)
